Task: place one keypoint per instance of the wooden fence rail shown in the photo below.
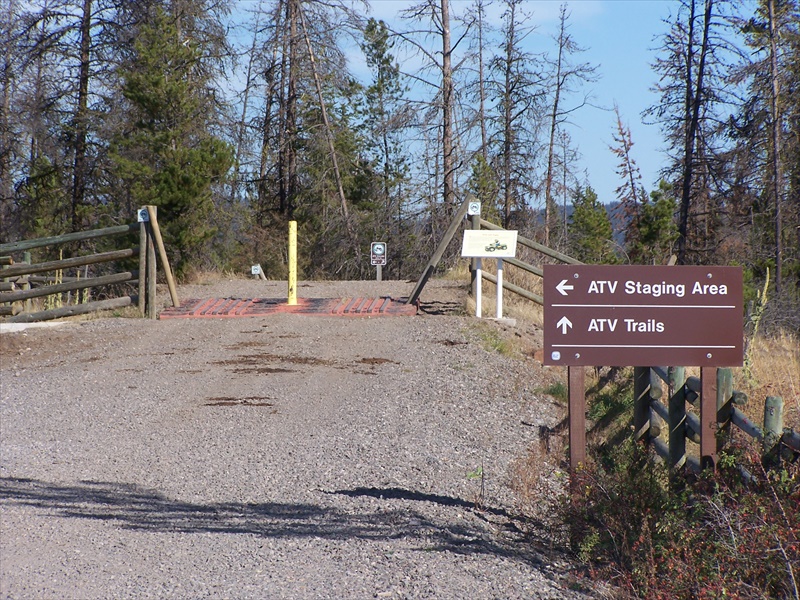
(21, 274)
(478, 223)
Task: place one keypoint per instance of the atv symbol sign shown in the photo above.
(378, 253)
(487, 243)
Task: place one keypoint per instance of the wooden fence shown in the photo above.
(712, 425)
(478, 223)
(22, 281)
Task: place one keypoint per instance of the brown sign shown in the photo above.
(600, 315)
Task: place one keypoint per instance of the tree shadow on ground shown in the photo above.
(442, 308)
(133, 507)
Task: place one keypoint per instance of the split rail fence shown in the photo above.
(717, 417)
(21, 281)
(476, 222)
(717, 404)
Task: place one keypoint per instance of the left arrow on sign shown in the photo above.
(564, 324)
(564, 286)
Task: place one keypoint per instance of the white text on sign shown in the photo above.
(653, 289)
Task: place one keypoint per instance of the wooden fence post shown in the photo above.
(724, 405)
(654, 393)
(677, 417)
(473, 262)
(26, 284)
(773, 422)
(641, 404)
(151, 273)
(152, 211)
(142, 265)
(708, 417)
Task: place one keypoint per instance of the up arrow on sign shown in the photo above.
(564, 324)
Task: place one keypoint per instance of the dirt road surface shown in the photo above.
(287, 456)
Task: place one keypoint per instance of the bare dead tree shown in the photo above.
(776, 167)
(567, 75)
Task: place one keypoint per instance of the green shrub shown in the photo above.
(711, 536)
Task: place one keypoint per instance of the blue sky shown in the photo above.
(620, 37)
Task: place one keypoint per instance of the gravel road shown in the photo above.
(288, 456)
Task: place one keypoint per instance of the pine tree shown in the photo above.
(657, 230)
(168, 158)
(630, 193)
(386, 116)
(590, 231)
(692, 69)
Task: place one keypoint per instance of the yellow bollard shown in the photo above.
(292, 263)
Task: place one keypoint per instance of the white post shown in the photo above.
(379, 273)
(478, 287)
(499, 288)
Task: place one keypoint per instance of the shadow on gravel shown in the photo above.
(132, 507)
(394, 493)
(441, 308)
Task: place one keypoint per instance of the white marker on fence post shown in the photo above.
(478, 288)
(499, 288)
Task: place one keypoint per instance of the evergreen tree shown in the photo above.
(657, 230)
(692, 68)
(590, 232)
(484, 185)
(167, 157)
(767, 131)
(386, 116)
(44, 206)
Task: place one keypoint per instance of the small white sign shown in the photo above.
(143, 216)
(255, 270)
(378, 253)
(474, 208)
(488, 243)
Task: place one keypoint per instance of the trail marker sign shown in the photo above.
(488, 243)
(601, 315)
(378, 253)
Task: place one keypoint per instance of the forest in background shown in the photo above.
(234, 118)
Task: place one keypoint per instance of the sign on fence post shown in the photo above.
(643, 315)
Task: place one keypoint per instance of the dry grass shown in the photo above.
(196, 277)
(514, 306)
(775, 371)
